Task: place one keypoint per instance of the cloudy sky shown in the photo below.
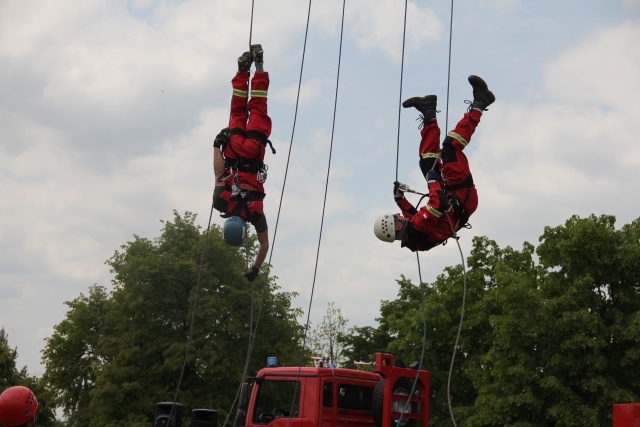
(108, 110)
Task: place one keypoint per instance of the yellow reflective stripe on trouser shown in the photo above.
(239, 92)
(255, 93)
(436, 212)
(429, 155)
(458, 138)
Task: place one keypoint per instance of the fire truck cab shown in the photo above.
(337, 397)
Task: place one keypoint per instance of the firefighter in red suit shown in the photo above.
(238, 154)
(452, 195)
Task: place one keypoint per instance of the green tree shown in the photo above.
(552, 343)
(72, 356)
(143, 328)
(325, 339)
(591, 293)
(11, 376)
(360, 344)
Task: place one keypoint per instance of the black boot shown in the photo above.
(482, 96)
(425, 104)
(244, 62)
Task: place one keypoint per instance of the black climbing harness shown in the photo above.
(242, 197)
(242, 164)
(459, 210)
(252, 134)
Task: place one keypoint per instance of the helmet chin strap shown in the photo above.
(400, 233)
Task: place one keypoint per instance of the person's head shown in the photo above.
(18, 406)
(234, 231)
(389, 227)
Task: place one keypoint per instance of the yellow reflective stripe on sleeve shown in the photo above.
(457, 137)
(258, 93)
(240, 93)
(435, 212)
(429, 155)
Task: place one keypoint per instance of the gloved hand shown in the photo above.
(222, 138)
(251, 273)
(433, 175)
(398, 191)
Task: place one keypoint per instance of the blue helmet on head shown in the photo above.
(234, 231)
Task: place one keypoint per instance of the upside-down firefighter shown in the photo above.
(453, 197)
(238, 158)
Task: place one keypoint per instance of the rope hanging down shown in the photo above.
(254, 328)
(324, 203)
(454, 235)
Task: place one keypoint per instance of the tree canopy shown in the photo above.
(551, 335)
(118, 353)
(10, 376)
(325, 339)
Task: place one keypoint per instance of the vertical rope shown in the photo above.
(193, 315)
(254, 329)
(326, 189)
(324, 203)
(251, 337)
(404, 35)
(449, 66)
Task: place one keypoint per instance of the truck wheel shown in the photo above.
(402, 387)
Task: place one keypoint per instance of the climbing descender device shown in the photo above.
(262, 174)
(235, 188)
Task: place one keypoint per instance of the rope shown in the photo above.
(193, 314)
(404, 33)
(449, 219)
(195, 299)
(464, 272)
(251, 337)
(254, 329)
(324, 203)
(247, 263)
(449, 66)
(464, 303)
(415, 382)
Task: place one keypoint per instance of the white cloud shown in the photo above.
(376, 22)
(108, 113)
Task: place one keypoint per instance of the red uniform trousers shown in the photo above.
(249, 130)
(432, 224)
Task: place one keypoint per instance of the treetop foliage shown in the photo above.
(120, 352)
(550, 334)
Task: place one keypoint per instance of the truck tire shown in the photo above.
(402, 387)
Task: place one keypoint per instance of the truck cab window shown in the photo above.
(274, 400)
(327, 395)
(357, 397)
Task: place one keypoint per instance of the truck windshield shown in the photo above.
(275, 399)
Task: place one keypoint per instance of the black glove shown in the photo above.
(433, 175)
(222, 138)
(398, 193)
(251, 273)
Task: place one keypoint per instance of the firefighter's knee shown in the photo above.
(448, 151)
(219, 203)
(426, 165)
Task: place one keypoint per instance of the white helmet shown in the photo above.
(384, 228)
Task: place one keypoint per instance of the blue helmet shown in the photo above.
(234, 231)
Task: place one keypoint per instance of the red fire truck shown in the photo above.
(322, 396)
(336, 397)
